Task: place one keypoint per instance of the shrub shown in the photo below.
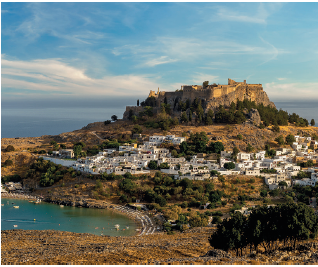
(276, 129)
(216, 220)
(10, 148)
(229, 165)
(263, 193)
(8, 162)
(137, 129)
(153, 165)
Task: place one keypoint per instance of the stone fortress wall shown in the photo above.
(213, 95)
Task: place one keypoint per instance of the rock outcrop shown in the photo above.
(254, 117)
(211, 96)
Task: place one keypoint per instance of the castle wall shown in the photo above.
(135, 110)
(214, 96)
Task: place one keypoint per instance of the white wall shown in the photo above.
(66, 163)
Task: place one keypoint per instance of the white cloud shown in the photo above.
(249, 15)
(172, 49)
(291, 90)
(56, 76)
(199, 78)
(281, 79)
(158, 61)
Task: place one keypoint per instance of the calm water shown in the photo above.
(307, 110)
(31, 121)
(71, 219)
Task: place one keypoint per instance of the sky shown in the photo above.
(123, 50)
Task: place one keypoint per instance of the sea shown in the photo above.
(33, 121)
(47, 216)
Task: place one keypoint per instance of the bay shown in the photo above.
(72, 219)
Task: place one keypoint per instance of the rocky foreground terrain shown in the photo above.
(191, 247)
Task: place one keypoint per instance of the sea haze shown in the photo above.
(307, 110)
(36, 118)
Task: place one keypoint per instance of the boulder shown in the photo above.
(254, 117)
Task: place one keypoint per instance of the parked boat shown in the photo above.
(117, 226)
(15, 225)
(2, 204)
(16, 207)
(62, 206)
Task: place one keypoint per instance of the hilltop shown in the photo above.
(209, 96)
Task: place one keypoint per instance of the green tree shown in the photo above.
(229, 165)
(249, 148)
(239, 137)
(184, 117)
(77, 149)
(153, 165)
(216, 147)
(205, 84)
(137, 129)
(210, 114)
(312, 122)
(183, 147)
(230, 234)
(280, 140)
(10, 148)
(8, 162)
(163, 165)
(290, 139)
(276, 128)
(62, 146)
(114, 118)
(174, 153)
(263, 193)
(235, 152)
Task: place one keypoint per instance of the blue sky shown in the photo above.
(102, 50)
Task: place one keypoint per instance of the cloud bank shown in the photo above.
(54, 77)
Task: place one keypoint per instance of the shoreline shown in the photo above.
(141, 220)
(18, 196)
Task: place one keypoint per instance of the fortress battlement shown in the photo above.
(213, 95)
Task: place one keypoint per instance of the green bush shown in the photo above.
(8, 162)
(10, 148)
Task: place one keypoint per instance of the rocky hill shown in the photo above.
(210, 96)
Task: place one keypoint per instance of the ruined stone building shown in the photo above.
(212, 96)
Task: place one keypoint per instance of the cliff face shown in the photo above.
(212, 96)
(252, 93)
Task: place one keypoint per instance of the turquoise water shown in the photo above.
(50, 216)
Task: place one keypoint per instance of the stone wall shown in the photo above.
(135, 110)
(213, 96)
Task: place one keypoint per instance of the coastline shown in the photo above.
(18, 196)
(142, 221)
